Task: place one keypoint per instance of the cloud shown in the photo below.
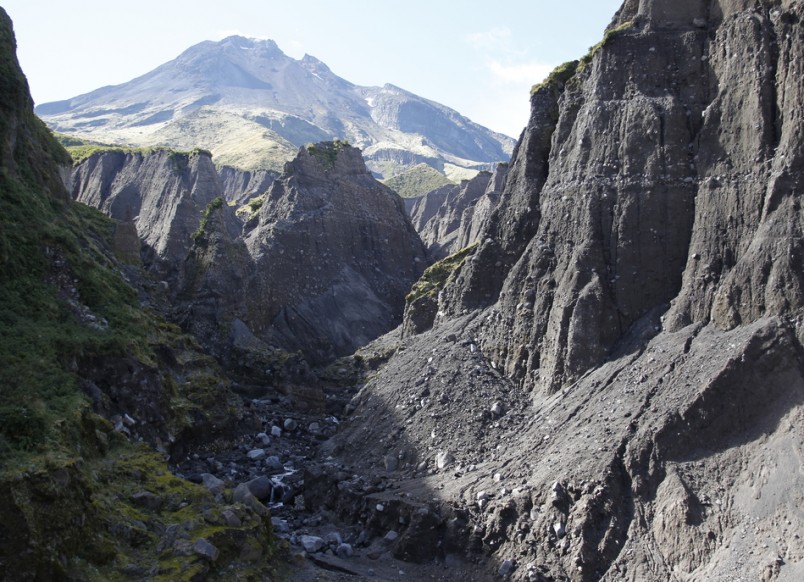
(504, 60)
(496, 39)
(519, 73)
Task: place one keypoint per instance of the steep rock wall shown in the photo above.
(334, 255)
(613, 381)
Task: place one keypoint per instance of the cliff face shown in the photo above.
(667, 175)
(322, 266)
(240, 186)
(163, 193)
(334, 255)
(452, 217)
(635, 314)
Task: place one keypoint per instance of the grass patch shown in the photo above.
(213, 205)
(417, 181)
(437, 275)
(557, 77)
(326, 152)
(251, 208)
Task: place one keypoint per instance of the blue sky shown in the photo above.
(479, 58)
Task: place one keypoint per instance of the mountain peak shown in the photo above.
(259, 95)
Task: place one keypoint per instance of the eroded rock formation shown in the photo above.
(617, 372)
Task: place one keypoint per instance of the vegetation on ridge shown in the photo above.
(437, 275)
(566, 71)
(327, 151)
(417, 181)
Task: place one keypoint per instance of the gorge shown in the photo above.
(586, 365)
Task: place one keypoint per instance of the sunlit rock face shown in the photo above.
(636, 309)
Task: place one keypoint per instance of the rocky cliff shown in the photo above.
(452, 217)
(614, 376)
(162, 192)
(321, 266)
(240, 186)
(334, 255)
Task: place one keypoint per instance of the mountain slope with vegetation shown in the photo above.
(85, 373)
(253, 107)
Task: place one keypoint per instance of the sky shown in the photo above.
(479, 58)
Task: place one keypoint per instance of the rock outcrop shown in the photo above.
(240, 186)
(452, 217)
(321, 266)
(334, 255)
(617, 371)
(162, 192)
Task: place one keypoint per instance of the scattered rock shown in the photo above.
(205, 549)
(261, 487)
(444, 459)
(212, 483)
(312, 544)
(256, 454)
(290, 425)
(344, 551)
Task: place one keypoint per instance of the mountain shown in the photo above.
(611, 383)
(253, 107)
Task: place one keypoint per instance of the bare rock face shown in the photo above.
(239, 186)
(334, 255)
(446, 218)
(164, 194)
(637, 303)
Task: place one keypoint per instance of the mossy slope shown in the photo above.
(71, 326)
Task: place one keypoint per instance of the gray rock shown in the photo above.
(206, 550)
(344, 551)
(506, 568)
(498, 409)
(231, 518)
(312, 544)
(280, 525)
(276, 431)
(314, 428)
(290, 425)
(444, 459)
(334, 539)
(391, 462)
(264, 439)
(391, 536)
(256, 454)
(212, 483)
(273, 462)
(260, 487)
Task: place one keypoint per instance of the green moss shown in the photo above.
(610, 35)
(436, 276)
(563, 73)
(327, 152)
(417, 181)
(558, 77)
(80, 150)
(250, 209)
(213, 205)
